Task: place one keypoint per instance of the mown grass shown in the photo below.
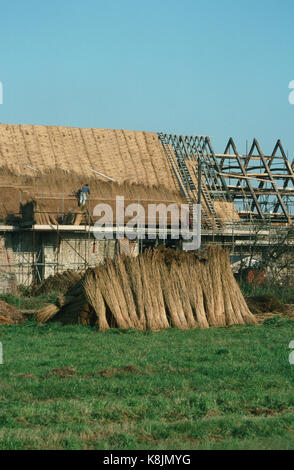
(224, 388)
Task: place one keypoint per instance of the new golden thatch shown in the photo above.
(158, 289)
(134, 156)
(42, 168)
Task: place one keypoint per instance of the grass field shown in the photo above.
(75, 388)
(27, 302)
(284, 294)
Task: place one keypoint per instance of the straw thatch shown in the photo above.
(133, 156)
(158, 289)
(226, 212)
(52, 197)
(43, 167)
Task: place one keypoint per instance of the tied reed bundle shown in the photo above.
(94, 297)
(47, 313)
(159, 289)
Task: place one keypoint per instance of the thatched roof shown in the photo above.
(54, 195)
(42, 168)
(133, 156)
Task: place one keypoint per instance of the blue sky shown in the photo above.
(220, 68)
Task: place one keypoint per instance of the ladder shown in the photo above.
(181, 180)
(187, 180)
(187, 185)
(210, 205)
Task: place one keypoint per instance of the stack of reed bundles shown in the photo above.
(159, 289)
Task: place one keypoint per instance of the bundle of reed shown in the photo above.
(94, 298)
(159, 289)
(70, 308)
(164, 288)
(77, 312)
(63, 300)
(59, 282)
(9, 315)
(6, 321)
(47, 313)
(136, 285)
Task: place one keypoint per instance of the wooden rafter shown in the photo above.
(269, 173)
(231, 144)
(272, 180)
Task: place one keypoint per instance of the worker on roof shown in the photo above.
(83, 194)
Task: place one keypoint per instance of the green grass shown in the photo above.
(283, 293)
(225, 388)
(26, 302)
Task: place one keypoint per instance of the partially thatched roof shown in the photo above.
(43, 167)
(133, 156)
(53, 194)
